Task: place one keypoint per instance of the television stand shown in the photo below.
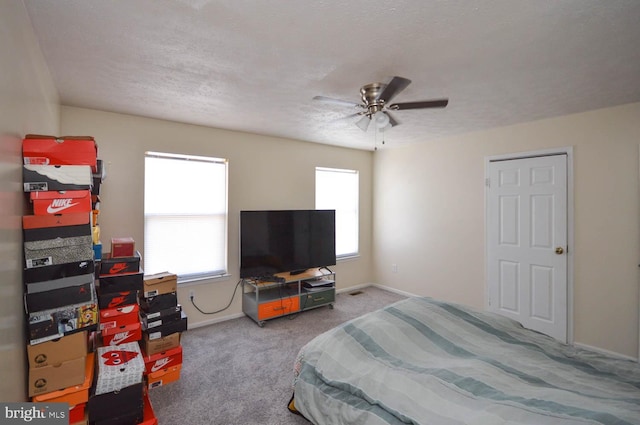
(262, 301)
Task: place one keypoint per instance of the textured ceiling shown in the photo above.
(255, 65)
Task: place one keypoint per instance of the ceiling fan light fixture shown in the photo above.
(363, 123)
(382, 120)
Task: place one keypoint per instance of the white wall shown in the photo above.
(264, 173)
(28, 104)
(429, 217)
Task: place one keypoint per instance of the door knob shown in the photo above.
(559, 250)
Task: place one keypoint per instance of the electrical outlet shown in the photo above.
(191, 294)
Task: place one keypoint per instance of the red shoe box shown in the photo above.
(163, 360)
(66, 150)
(149, 417)
(122, 247)
(117, 318)
(122, 334)
(64, 202)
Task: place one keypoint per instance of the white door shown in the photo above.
(527, 242)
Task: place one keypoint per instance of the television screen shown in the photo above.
(286, 241)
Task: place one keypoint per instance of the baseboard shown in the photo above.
(605, 352)
(216, 320)
(394, 290)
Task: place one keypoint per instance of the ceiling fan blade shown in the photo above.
(348, 117)
(440, 103)
(337, 101)
(363, 123)
(395, 86)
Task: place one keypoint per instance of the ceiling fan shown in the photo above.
(375, 106)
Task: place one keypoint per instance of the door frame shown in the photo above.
(568, 150)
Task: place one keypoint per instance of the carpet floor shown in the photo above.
(236, 373)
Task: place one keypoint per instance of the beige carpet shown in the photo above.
(236, 373)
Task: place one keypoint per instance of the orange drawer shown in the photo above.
(278, 308)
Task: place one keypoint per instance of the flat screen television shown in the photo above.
(280, 241)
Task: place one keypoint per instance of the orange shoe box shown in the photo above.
(61, 202)
(149, 417)
(116, 318)
(65, 150)
(122, 334)
(163, 376)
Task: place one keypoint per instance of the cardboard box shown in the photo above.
(65, 150)
(58, 251)
(56, 351)
(117, 299)
(110, 265)
(159, 318)
(55, 377)
(158, 345)
(119, 367)
(113, 318)
(123, 247)
(60, 297)
(158, 303)
(159, 283)
(121, 282)
(127, 401)
(58, 271)
(66, 202)
(122, 335)
(54, 233)
(162, 360)
(168, 328)
(55, 220)
(38, 178)
(51, 324)
(163, 376)
(73, 395)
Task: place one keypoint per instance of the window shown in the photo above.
(185, 215)
(337, 189)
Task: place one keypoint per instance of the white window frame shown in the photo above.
(344, 197)
(209, 218)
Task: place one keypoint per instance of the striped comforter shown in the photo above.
(420, 361)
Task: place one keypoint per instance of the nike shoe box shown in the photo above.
(59, 293)
(55, 323)
(117, 299)
(159, 283)
(123, 247)
(124, 406)
(158, 303)
(121, 282)
(58, 251)
(119, 367)
(167, 328)
(66, 150)
(56, 232)
(159, 318)
(158, 345)
(65, 202)
(122, 334)
(73, 395)
(55, 220)
(116, 265)
(58, 271)
(115, 318)
(39, 178)
(163, 376)
(162, 360)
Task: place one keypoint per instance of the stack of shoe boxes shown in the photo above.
(162, 321)
(60, 297)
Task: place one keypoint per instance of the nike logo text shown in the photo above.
(58, 205)
(119, 338)
(160, 363)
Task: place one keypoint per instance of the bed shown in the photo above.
(423, 361)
